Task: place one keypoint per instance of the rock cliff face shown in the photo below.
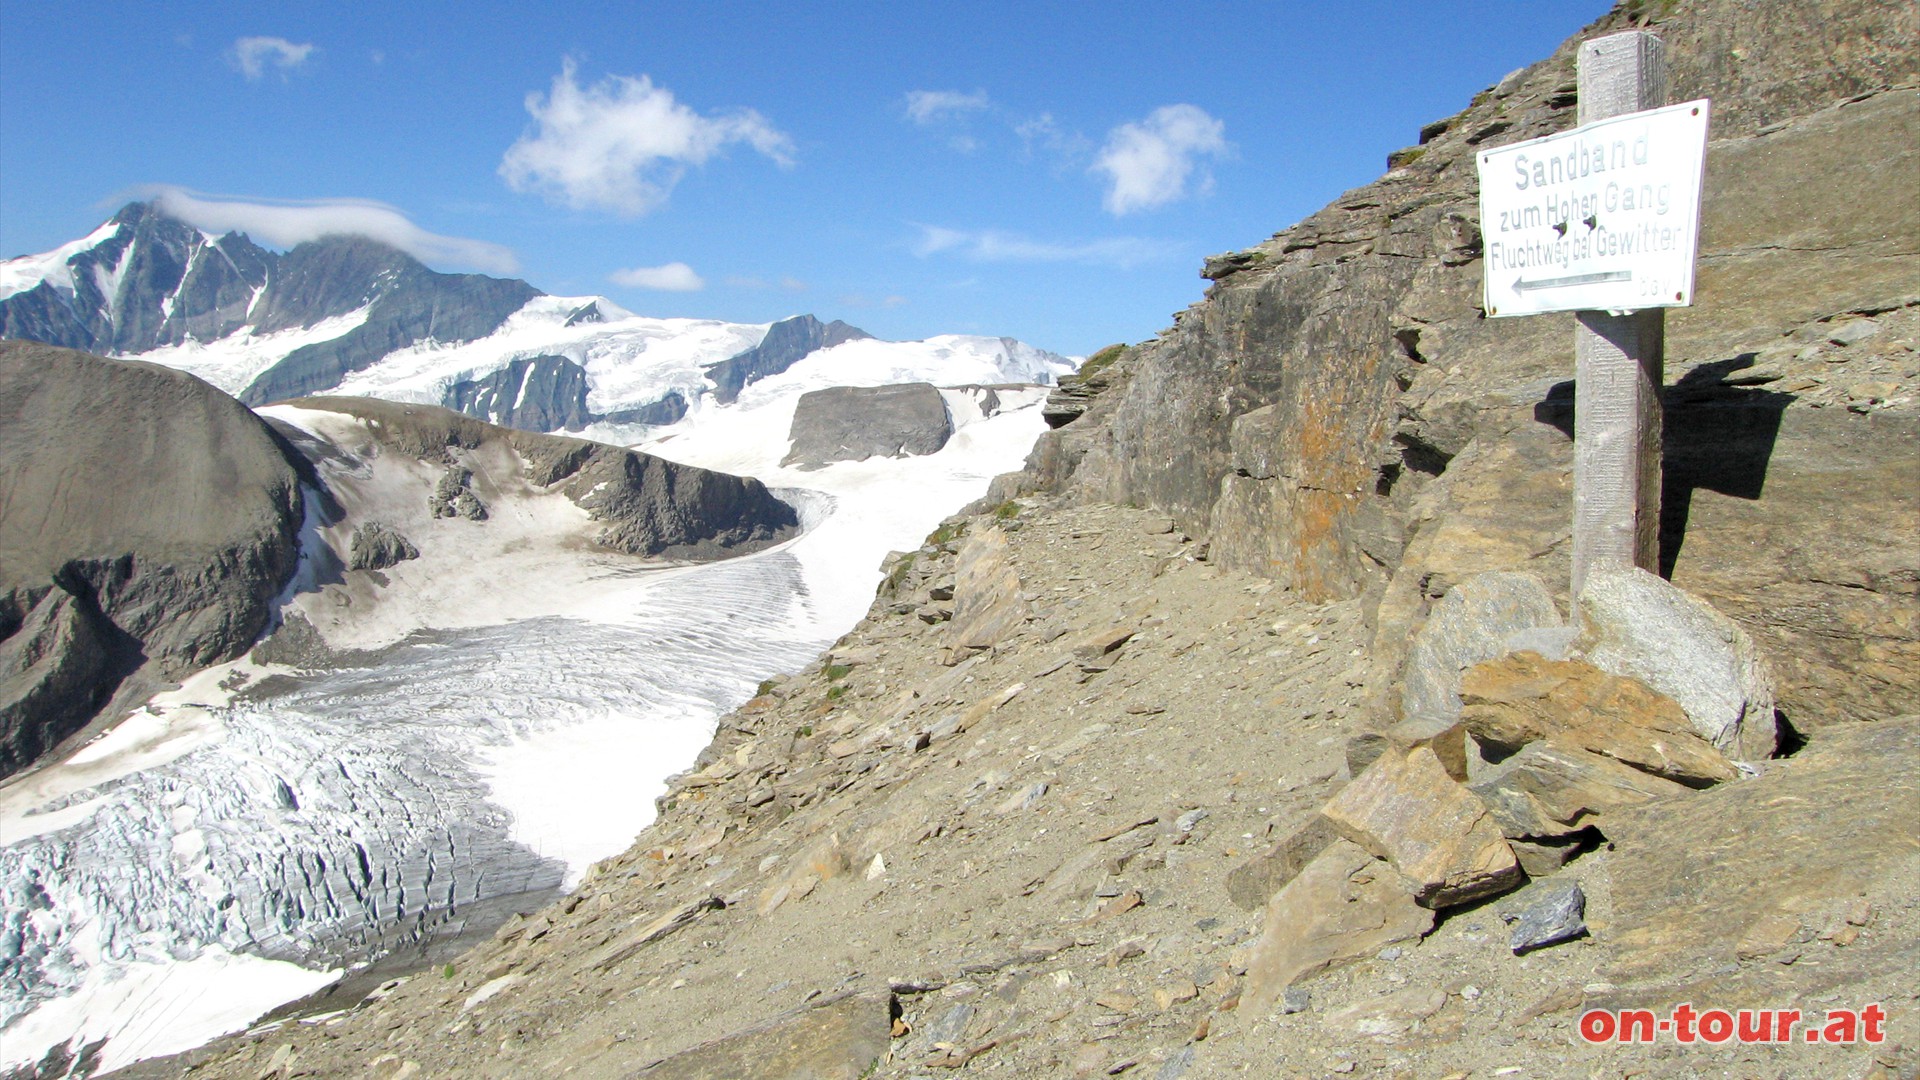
(146, 523)
(787, 342)
(409, 303)
(1338, 414)
(854, 423)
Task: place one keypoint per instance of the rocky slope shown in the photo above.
(147, 522)
(1105, 791)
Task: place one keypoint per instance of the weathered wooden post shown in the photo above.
(1603, 220)
(1618, 360)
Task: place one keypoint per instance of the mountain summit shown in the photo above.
(145, 280)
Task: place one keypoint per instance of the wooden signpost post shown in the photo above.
(1603, 220)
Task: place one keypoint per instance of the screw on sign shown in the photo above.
(1604, 221)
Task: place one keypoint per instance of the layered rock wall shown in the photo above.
(1339, 415)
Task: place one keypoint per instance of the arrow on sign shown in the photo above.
(1523, 285)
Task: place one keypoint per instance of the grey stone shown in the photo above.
(854, 423)
(1470, 624)
(1558, 915)
(1177, 1063)
(840, 1039)
(950, 1028)
(1635, 624)
(1854, 331)
(1549, 789)
(1296, 999)
(1551, 642)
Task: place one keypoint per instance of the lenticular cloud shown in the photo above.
(623, 143)
(284, 224)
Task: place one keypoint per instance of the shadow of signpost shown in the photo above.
(1717, 433)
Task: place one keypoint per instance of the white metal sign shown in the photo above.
(1605, 217)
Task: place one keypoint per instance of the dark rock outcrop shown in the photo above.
(147, 521)
(453, 496)
(665, 411)
(854, 423)
(549, 393)
(533, 393)
(646, 505)
(1338, 413)
(409, 304)
(787, 343)
(168, 283)
(376, 546)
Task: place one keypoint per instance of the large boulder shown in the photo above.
(1470, 624)
(1344, 905)
(1405, 808)
(986, 593)
(147, 522)
(1521, 698)
(1634, 624)
(854, 423)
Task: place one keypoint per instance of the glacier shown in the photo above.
(267, 828)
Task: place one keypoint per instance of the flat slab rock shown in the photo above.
(1406, 809)
(1692, 877)
(1635, 624)
(1524, 697)
(986, 592)
(837, 1041)
(1345, 905)
(1552, 789)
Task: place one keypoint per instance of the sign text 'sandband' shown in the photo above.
(1605, 217)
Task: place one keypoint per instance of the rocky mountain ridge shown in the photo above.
(347, 314)
(151, 280)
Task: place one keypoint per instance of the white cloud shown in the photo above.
(284, 224)
(1043, 132)
(993, 245)
(673, 277)
(623, 143)
(926, 106)
(1150, 163)
(253, 55)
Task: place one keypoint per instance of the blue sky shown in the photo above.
(1054, 172)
